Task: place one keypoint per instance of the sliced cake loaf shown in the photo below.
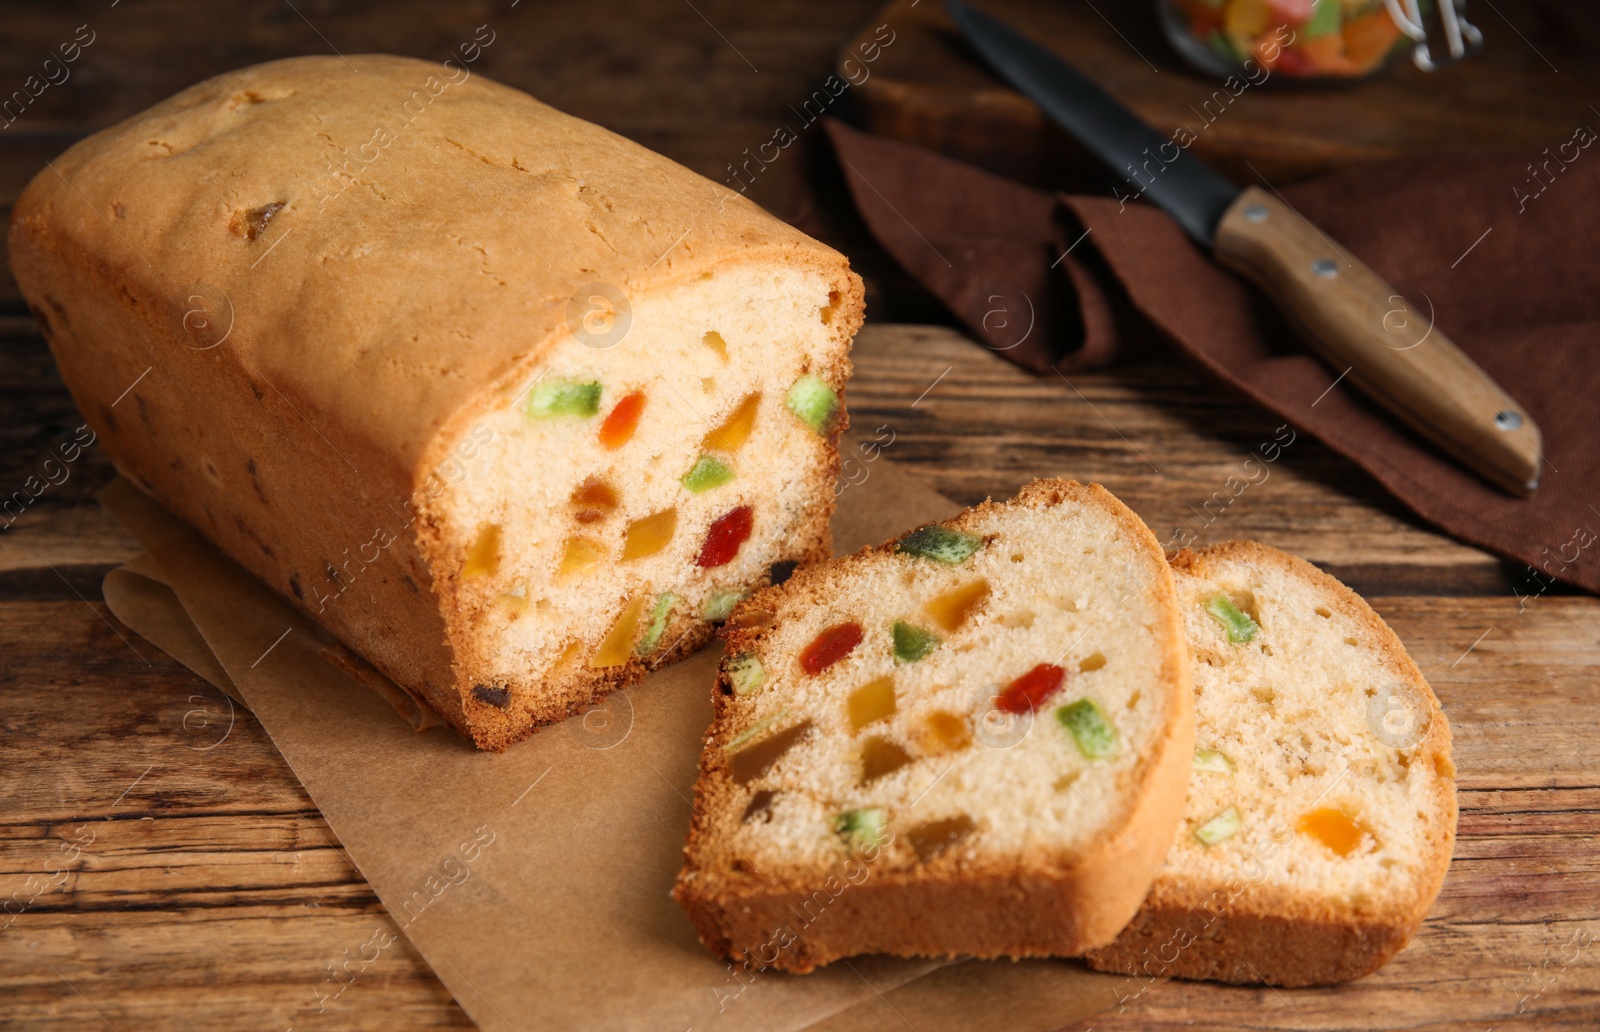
(510, 404)
(1322, 808)
(972, 740)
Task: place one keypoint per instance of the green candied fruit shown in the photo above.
(707, 473)
(863, 829)
(657, 624)
(1212, 761)
(563, 398)
(1324, 19)
(912, 643)
(720, 605)
(1090, 728)
(1224, 825)
(746, 672)
(1239, 626)
(939, 543)
(814, 402)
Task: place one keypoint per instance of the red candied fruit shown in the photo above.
(1029, 691)
(620, 423)
(724, 537)
(829, 647)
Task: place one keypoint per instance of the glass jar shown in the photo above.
(1312, 39)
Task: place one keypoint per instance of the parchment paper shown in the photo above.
(535, 882)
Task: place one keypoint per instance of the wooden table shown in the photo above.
(199, 886)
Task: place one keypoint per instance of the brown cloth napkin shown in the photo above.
(1514, 281)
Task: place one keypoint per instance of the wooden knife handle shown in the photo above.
(1393, 351)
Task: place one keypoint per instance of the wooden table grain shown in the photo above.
(160, 865)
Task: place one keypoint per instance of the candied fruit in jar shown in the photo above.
(830, 646)
(618, 427)
(649, 534)
(724, 538)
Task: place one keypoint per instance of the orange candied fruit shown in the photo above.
(955, 607)
(580, 554)
(724, 538)
(623, 419)
(650, 534)
(1029, 691)
(483, 558)
(943, 731)
(592, 500)
(617, 647)
(830, 646)
(1333, 828)
(735, 430)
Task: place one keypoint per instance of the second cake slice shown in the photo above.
(973, 740)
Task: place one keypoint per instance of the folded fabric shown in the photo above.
(1507, 267)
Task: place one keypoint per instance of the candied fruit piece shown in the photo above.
(483, 558)
(863, 829)
(871, 702)
(618, 644)
(720, 605)
(1211, 761)
(943, 732)
(760, 808)
(658, 623)
(832, 645)
(516, 599)
(881, 757)
(955, 607)
(751, 618)
(617, 428)
(253, 222)
(735, 430)
(592, 500)
(707, 472)
(563, 398)
(580, 554)
(1224, 825)
(1093, 661)
(814, 402)
(714, 341)
(1090, 728)
(1333, 828)
(724, 537)
(941, 544)
(1239, 626)
(746, 672)
(912, 643)
(756, 759)
(930, 839)
(650, 534)
(1029, 691)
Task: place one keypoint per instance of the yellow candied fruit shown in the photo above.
(943, 732)
(880, 757)
(580, 554)
(871, 702)
(1093, 661)
(1333, 828)
(955, 607)
(735, 430)
(483, 558)
(714, 341)
(617, 647)
(649, 535)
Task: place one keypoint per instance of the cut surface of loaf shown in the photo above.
(1322, 809)
(512, 405)
(973, 740)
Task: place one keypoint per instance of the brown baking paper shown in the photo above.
(535, 882)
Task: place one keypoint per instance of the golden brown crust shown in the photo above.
(1043, 904)
(136, 251)
(1266, 934)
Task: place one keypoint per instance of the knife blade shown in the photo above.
(1359, 324)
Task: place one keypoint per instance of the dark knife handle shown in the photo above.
(1393, 351)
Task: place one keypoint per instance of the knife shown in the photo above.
(1358, 323)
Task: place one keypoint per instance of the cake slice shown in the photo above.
(513, 406)
(973, 740)
(1322, 809)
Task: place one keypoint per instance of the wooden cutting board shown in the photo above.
(1529, 89)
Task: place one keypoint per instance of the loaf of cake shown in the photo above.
(973, 740)
(513, 406)
(1322, 808)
